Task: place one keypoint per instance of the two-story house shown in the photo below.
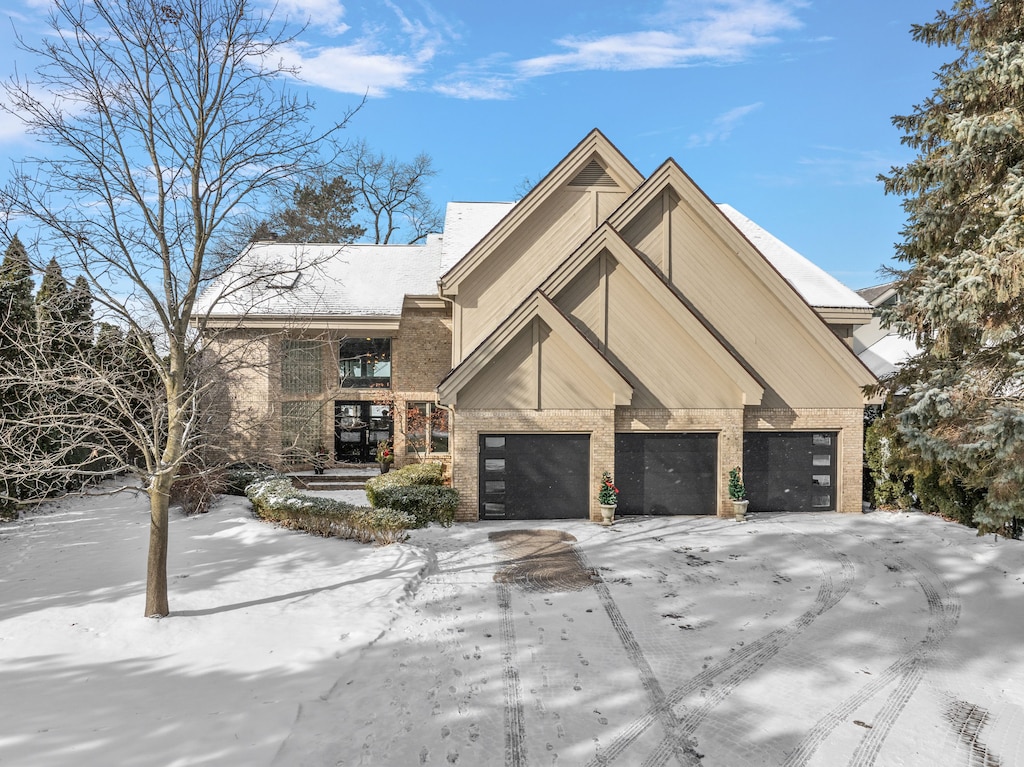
(604, 322)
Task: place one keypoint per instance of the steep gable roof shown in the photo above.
(606, 238)
(579, 163)
(537, 305)
(770, 279)
(818, 288)
(465, 224)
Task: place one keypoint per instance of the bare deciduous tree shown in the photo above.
(392, 194)
(164, 121)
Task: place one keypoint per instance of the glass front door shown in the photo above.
(358, 427)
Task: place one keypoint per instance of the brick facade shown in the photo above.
(849, 422)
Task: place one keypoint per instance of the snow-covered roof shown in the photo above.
(888, 354)
(818, 288)
(465, 224)
(280, 278)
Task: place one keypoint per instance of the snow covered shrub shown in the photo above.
(278, 501)
(407, 476)
(418, 489)
(381, 525)
(239, 475)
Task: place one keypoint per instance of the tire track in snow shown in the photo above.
(747, 660)
(676, 744)
(515, 725)
(906, 671)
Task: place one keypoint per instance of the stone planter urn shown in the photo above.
(739, 510)
(607, 513)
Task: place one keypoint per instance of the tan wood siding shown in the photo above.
(669, 368)
(511, 273)
(762, 328)
(536, 370)
(509, 381)
(646, 233)
(584, 302)
(566, 380)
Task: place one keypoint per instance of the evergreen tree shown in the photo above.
(52, 308)
(17, 326)
(321, 211)
(17, 316)
(79, 315)
(962, 287)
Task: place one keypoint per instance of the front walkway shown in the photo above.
(813, 639)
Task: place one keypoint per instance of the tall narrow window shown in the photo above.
(301, 367)
(423, 419)
(364, 363)
(300, 430)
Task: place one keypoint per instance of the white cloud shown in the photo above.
(352, 69)
(722, 126)
(323, 14)
(385, 55)
(683, 34)
(11, 128)
(477, 89)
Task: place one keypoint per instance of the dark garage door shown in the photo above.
(790, 471)
(666, 473)
(535, 476)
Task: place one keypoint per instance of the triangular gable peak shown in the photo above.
(536, 359)
(501, 270)
(673, 223)
(594, 163)
(634, 317)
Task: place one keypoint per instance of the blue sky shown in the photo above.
(780, 108)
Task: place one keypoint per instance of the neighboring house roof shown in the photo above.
(818, 288)
(881, 349)
(888, 354)
(876, 295)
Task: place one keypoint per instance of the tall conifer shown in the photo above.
(52, 308)
(17, 335)
(962, 288)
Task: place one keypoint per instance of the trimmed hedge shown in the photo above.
(238, 476)
(276, 500)
(417, 489)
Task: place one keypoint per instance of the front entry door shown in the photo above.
(358, 427)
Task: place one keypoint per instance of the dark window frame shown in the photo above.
(359, 360)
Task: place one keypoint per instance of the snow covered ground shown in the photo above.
(815, 639)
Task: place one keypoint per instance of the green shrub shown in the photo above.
(888, 462)
(278, 501)
(431, 474)
(946, 496)
(427, 503)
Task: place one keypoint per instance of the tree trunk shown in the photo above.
(156, 568)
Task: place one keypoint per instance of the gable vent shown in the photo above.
(593, 175)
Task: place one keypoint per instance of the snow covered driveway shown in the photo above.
(789, 640)
(884, 639)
